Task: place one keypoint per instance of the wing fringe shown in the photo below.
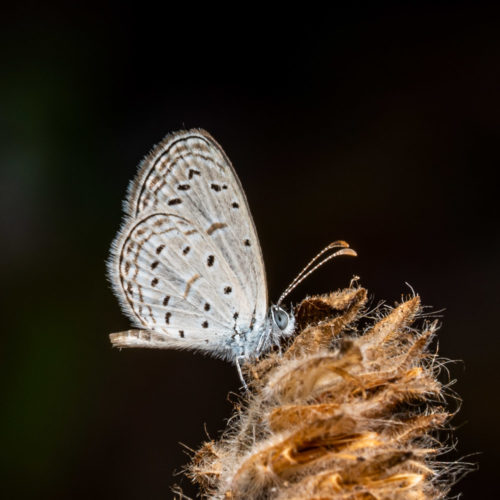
(138, 338)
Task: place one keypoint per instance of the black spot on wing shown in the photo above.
(252, 322)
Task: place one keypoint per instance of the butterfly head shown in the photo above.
(283, 323)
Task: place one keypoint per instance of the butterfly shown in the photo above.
(187, 266)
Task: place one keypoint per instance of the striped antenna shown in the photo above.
(313, 264)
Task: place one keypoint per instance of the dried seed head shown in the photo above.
(346, 412)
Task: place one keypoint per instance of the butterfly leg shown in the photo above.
(240, 373)
(263, 342)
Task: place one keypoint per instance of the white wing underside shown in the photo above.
(187, 265)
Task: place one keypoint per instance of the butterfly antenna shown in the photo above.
(313, 264)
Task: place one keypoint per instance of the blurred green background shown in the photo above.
(377, 125)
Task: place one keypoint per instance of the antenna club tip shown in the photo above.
(345, 251)
(339, 243)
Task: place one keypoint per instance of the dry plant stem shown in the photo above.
(341, 414)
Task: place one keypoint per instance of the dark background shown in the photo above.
(376, 125)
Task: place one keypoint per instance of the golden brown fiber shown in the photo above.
(348, 411)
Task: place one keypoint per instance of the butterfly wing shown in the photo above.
(188, 173)
(175, 282)
(188, 202)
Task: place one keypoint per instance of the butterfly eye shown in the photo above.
(280, 317)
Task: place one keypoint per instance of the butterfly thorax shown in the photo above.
(251, 343)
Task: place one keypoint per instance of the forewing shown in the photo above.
(189, 174)
(173, 279)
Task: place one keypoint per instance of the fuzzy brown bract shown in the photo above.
(348, 411)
